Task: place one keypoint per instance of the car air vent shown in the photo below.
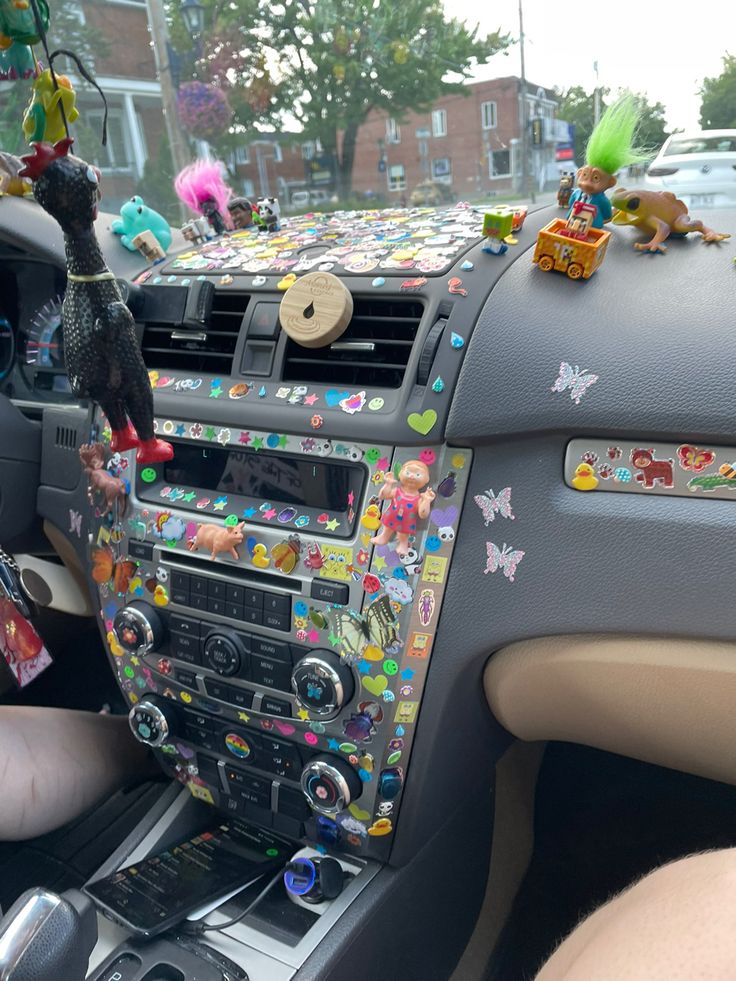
(177, 348)
(373, 352)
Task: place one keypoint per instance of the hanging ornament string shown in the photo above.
(88, 78)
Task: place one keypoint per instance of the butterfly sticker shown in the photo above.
(492, 505)
(105, 569)
(75, 522)
(356, 632)
(576, 380)
(503, 558)
(694, 459)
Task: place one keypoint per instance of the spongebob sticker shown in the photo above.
(337, 560)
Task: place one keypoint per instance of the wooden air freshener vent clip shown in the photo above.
(316, 309)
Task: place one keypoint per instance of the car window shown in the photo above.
(709, 144)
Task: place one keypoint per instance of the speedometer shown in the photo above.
(7, 347)
(44, 344)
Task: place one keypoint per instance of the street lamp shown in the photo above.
(192, 13)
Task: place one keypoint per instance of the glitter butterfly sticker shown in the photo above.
(576, 380)
(492, 505)
(503, 558)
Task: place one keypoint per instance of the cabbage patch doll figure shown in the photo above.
(408, 504)
(609, 148)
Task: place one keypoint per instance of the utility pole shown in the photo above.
(180, 154)
(524, 118)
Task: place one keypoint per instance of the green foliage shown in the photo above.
(578, 106)
(718, 105)
(328, 63)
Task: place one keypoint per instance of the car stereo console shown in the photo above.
(282, 679)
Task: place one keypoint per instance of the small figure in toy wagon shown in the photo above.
(497, 226)
(101, 351)
(201, 187)
(408, 504)
(609, 148)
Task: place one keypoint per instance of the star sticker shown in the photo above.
(332, 524)
(215, 393)
(282, 441)
(189, 497)
(243, 717)
(407, 674)
(179, 431)
(249, 512)
(244, 438)
(379, 563)
(311, 399)
(269, 514)
(333, 639)
(333, 744)
(364, 667)
(135, 661)
(303, 715)
(219, 504)
(351, 499)
(258, 443)
(210, 432)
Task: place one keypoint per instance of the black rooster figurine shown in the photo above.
(103, 359)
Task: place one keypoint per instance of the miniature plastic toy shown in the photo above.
(241, 211)
(217, 538)
(43, 119)
(408, 504)
(10, 181)
(564, 191)
(148, 246)
(18, 22)
(496, 226)
(100, 483)
(136, 217)
(609, 148)
(565, 247)
(269, 212)
(101, 351)
(16, 61)
(659, 212)
(584, 478)
(201, 187)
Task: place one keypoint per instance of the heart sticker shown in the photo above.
(374, 685)
(422, 423)
(358, 813)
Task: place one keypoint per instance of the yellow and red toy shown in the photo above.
(573, 247)
(43, 120)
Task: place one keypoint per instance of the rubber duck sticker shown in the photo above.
(584, 478)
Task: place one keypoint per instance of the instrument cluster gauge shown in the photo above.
(7, 347)
(44, 343)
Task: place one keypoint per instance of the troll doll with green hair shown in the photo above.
(610, 147)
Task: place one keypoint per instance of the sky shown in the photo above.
(635, 44)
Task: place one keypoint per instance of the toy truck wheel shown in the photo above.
(546, 263)
(574, 270)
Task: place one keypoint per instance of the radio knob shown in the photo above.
(330, 784)
(322, 683)
(224, 652)
(153, 720)
(138, 628)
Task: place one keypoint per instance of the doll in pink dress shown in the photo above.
(407, 504)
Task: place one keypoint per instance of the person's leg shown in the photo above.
(57, 763)
(679, 922)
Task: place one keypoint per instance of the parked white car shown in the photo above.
(699, 167)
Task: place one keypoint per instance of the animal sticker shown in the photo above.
(504, 558)
(574, 379)
(652, 471)
(491, 505)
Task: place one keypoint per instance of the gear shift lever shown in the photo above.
(45, 937)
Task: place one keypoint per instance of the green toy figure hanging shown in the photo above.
(610, 147)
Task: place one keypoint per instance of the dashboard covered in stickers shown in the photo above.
(283, 665)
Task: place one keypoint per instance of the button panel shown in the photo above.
(239, 603)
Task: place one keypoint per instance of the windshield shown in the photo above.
(711, 144)
(347, 104)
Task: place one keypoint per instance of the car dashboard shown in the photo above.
(328, 688)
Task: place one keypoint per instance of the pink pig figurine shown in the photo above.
(218, 538)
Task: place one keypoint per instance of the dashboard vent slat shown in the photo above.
(173, 348)
(373, 351)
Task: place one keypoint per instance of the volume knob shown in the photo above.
(330, 784)
(322, 683)
(153, 720)
(138, 628)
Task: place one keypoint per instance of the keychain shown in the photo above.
(21, 647)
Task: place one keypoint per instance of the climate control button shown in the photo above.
(322, 683)
(138, 628)
(330, 784)
(153, 720)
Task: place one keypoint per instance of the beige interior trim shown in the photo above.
(663, 700)
(67, 583)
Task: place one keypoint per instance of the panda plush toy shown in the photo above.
(269, 211)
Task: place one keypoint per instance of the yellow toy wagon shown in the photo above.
(578, 254)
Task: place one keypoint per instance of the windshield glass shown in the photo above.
(711, 144)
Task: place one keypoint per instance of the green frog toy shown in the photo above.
(136, 217)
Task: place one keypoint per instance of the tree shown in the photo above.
(330, 62)
(578, 107)
(718, 95)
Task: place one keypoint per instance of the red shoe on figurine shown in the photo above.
(124, 439)
(154, 451)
